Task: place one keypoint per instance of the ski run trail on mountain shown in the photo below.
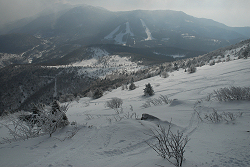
(108, 139)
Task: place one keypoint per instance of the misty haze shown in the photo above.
(124, 83)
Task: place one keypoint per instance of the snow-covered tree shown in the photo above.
(192, 69)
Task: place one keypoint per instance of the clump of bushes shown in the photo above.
(114, 103)
(232, 93)
(41, 121)
(216, 117)
(163, 99)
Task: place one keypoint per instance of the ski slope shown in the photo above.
(147, 31)
(108, 139)
(119, 38)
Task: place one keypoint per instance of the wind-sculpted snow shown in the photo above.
(105, 138)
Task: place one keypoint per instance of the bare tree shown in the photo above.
(169, 145)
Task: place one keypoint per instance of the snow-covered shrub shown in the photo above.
(114, 103)
(148, 91)
(232, 93)
(164, 74)
(163, 99)
(169, 145)
(192, 69)
(212, 63)
(229, 116)
(39, 122)
(216, 117)
(20, 129)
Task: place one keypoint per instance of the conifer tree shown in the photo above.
(148, 91)
(132, 86)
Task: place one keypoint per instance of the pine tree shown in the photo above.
(132, 86)
(148, 91)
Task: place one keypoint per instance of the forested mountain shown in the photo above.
(86, 25)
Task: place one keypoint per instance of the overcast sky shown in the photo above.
(234, 13)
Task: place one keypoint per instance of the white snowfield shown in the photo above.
(108, 139)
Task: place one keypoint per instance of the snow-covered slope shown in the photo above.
(106, 138)
(122, 33)
(119, 36)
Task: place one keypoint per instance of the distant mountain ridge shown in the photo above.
(87, 25)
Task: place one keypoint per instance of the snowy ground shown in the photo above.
(109, 139)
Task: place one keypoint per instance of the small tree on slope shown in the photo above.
(148, 91)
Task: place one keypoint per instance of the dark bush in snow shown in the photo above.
(148, 91)
(132, 86)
